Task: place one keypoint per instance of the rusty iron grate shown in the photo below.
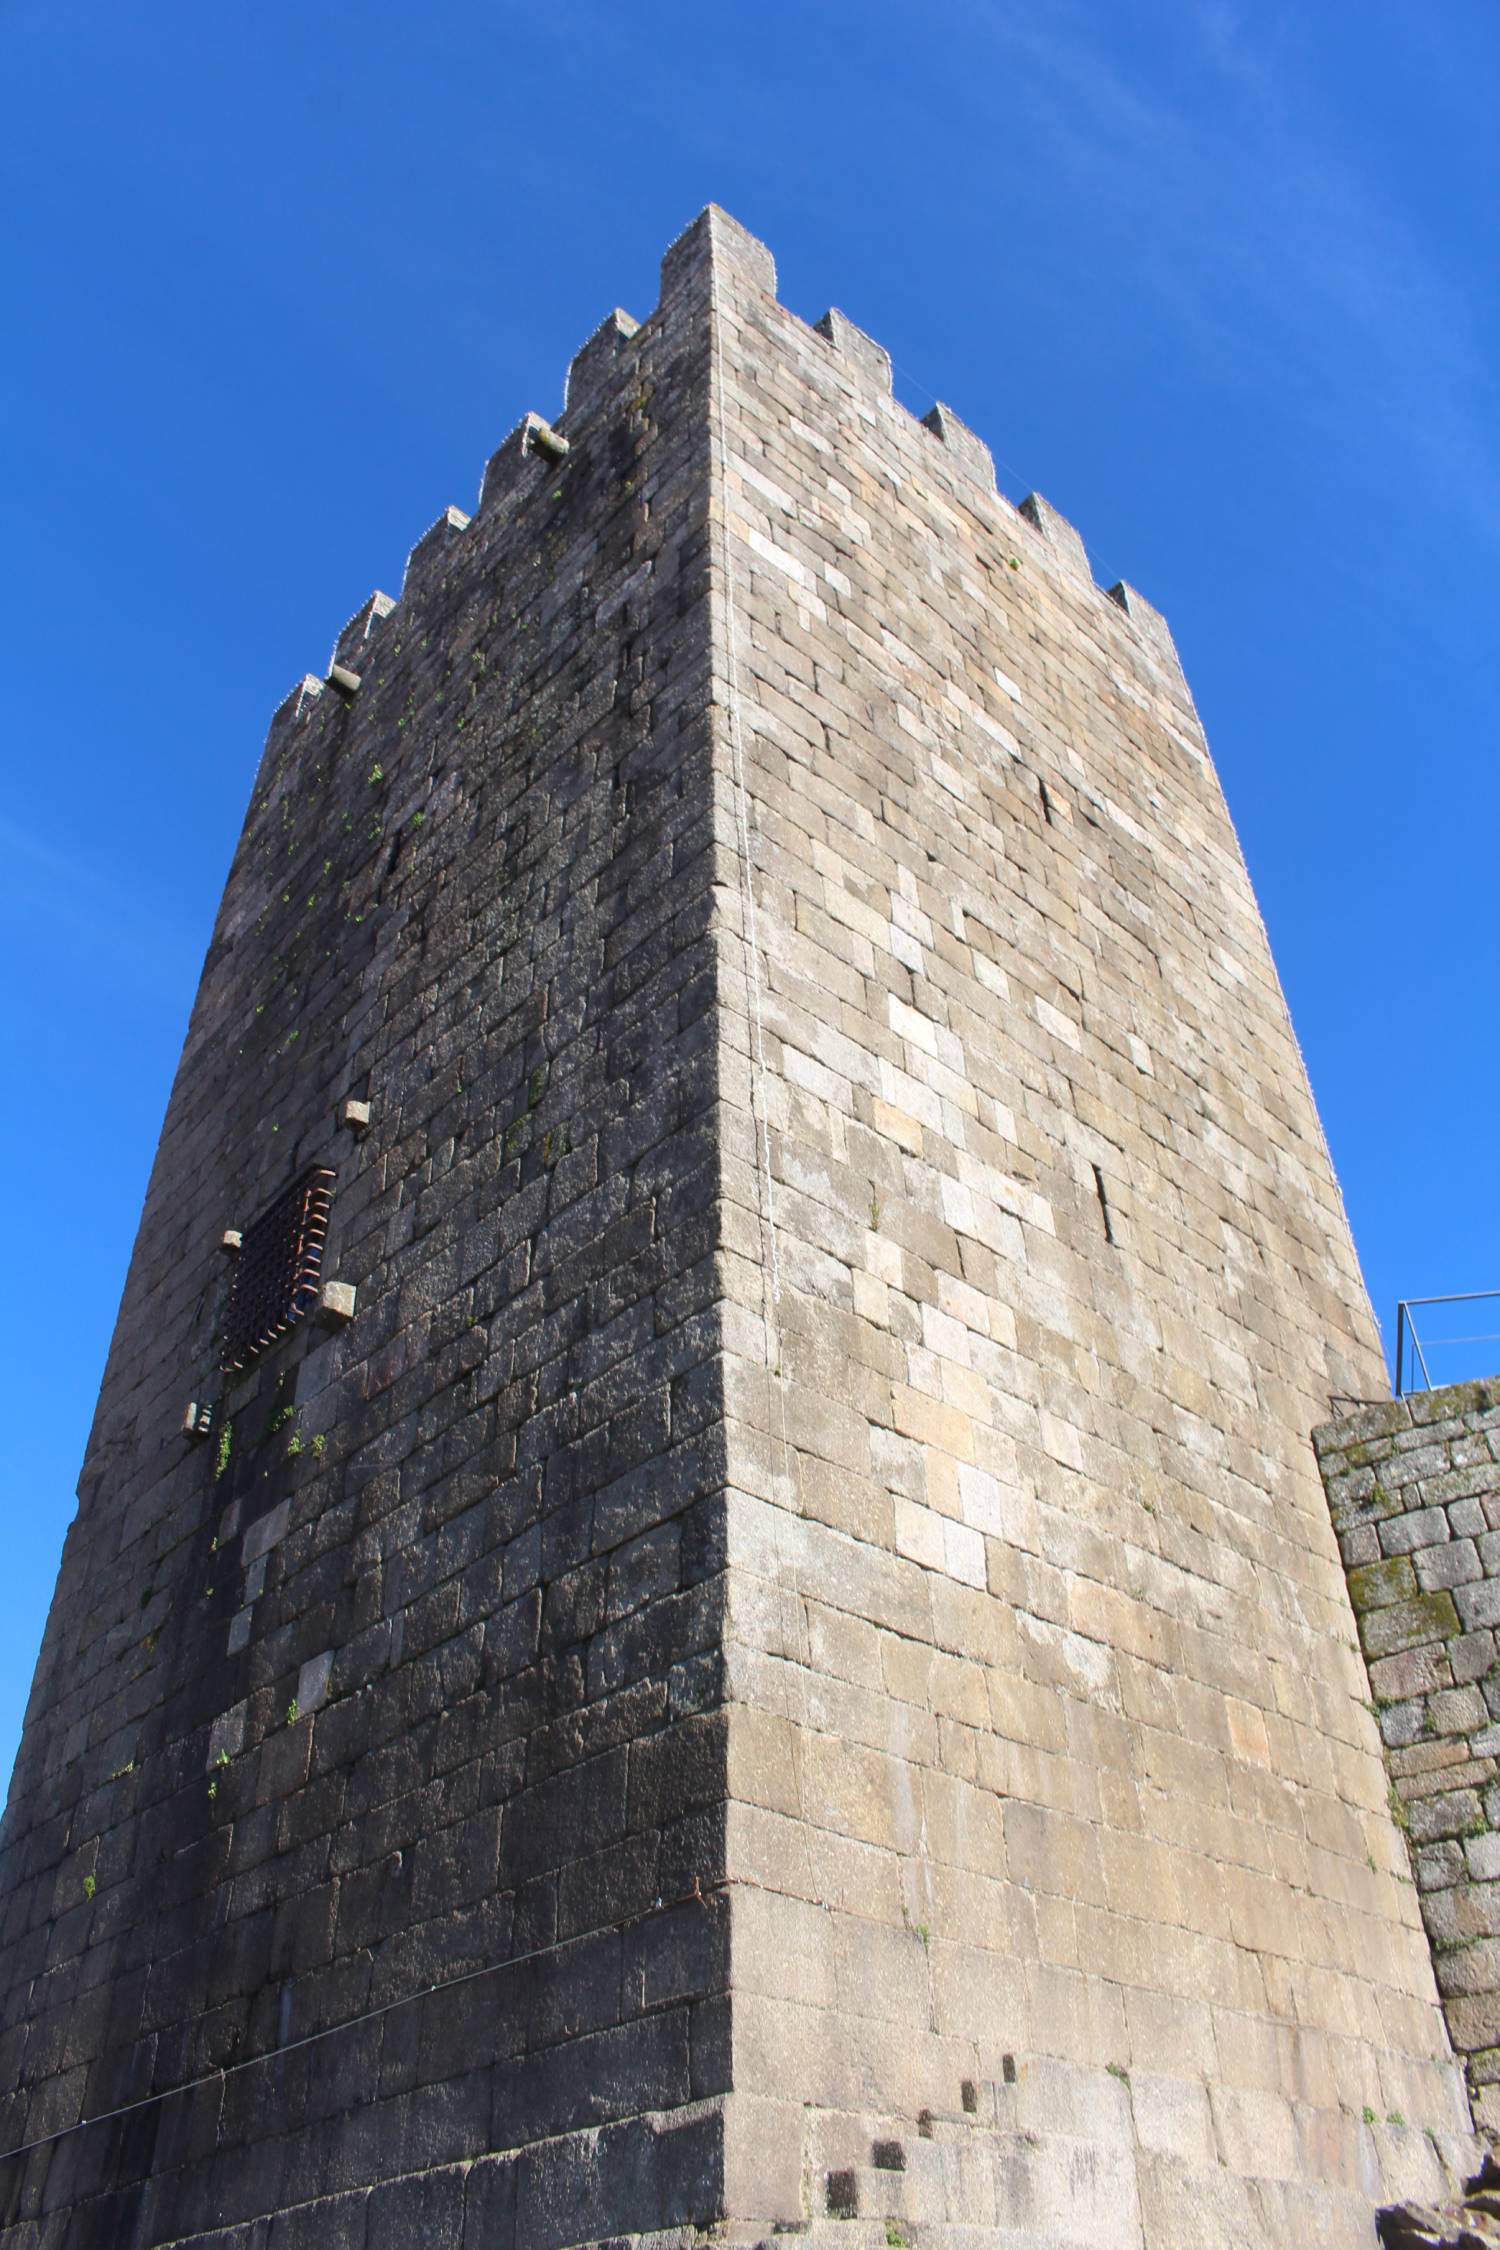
(275, 1278)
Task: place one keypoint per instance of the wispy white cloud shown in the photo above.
(1218, 161)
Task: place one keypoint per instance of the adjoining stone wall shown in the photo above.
(1414, 1489)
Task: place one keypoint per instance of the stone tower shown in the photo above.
(700, 1596)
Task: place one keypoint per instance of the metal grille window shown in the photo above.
(275, 1278)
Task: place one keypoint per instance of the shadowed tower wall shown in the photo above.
(409, 1672)
(788, 1664)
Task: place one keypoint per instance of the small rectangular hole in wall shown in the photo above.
(1109, 1224)
(842, 2195)
(968, 2094)
(1046, 800)
(276, 1274)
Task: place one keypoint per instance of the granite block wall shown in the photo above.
(787, 1667)
(1067, 1903)
(1414, 1489)
(369, 1819)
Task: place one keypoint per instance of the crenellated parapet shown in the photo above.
(715, 248)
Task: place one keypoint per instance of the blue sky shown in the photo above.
(1219, 280)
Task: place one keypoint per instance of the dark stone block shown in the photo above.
(336, 2222)
(490, 2204)
(425, 2212)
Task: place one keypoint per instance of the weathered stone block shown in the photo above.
(1453, 1565)
(1411, 1624)
(1414, 1672)
(1420, 1528)
(1479, 1605)
(1376, 1585)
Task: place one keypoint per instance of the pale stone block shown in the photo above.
(1256, 2132)
(1062, 1442)
(312, 1682)
(782, 1949)
(859, 1793)
(1169, 2035)
(763, 1760)
(226, 1736)
(1051, 1851)
(1172, 2117)
(919, 1534)
(763, 2144)
(963, 1553)
(266, 1532)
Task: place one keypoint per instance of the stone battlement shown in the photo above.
(590, 368)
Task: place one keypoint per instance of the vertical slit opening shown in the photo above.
(1046, 800)
(1109, 1224)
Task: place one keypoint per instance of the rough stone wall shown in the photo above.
(1067, 1901)
(789, 1665)
(410, 1672)
(1414, 1489)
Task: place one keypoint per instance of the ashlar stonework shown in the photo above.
(782, 1663)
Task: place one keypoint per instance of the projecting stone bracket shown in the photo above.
(336, 1303)
(538, 436)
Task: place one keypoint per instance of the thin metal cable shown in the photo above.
(741, 797)
(1106, 571)
(700, 1895)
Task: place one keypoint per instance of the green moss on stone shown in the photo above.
(1409, 1624)
(1376, 1585)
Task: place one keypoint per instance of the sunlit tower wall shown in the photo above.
(746, 1631)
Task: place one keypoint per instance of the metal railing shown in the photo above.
(1407, 1327)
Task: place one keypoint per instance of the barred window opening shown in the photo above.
(275, 1279)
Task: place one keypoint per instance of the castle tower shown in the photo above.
(700, 1593)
